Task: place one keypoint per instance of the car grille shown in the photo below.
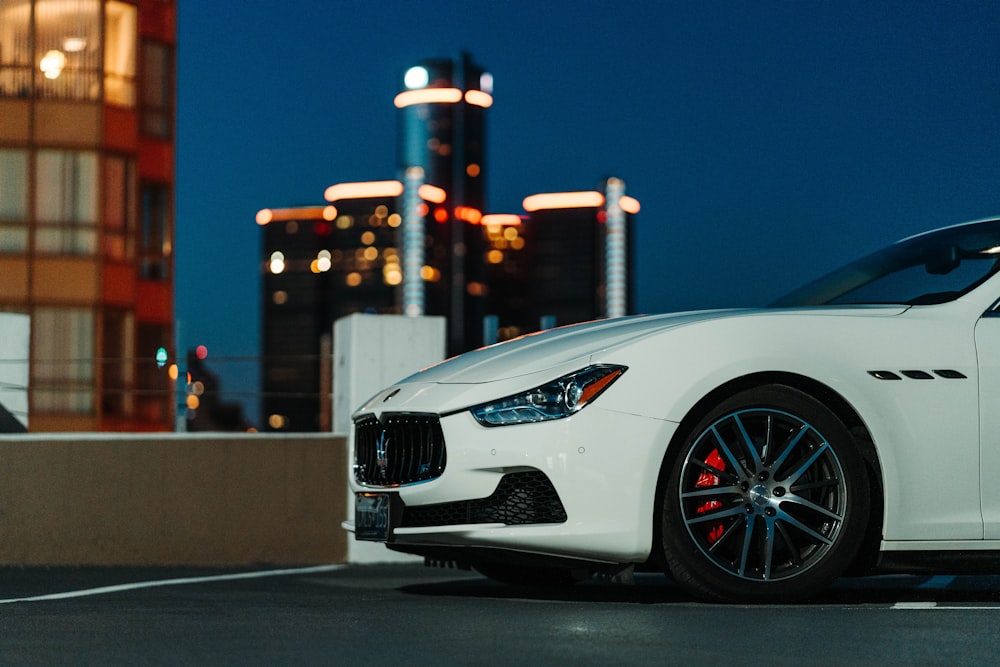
(400, 449)
(520, 498)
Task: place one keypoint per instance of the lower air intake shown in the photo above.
(520, 498)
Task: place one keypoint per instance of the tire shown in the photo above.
(766, 499)
(535, 577)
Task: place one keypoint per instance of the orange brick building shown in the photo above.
(87, 98)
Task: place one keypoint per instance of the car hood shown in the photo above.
(554, 348)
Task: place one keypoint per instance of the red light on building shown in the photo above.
(469, 214)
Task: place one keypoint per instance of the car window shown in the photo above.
(931, 268)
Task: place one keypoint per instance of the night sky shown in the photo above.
(767, 142)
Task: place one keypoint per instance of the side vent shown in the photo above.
(945, 373)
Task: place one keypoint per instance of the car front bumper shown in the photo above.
(602, 465)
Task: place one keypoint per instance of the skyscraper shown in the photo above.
(565, 262)
(320, 264)
(442, 120)
(86, 205)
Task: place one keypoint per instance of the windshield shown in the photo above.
(930, 268)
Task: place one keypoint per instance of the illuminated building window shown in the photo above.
(66, 202)
(63, 349)
(477, 289)
(120, 29)
(16, 68)
(68, 50)
(13, 200)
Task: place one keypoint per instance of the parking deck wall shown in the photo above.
(172, 499)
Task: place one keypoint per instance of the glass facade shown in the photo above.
(86, 205)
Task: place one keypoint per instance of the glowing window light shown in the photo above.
(371, 254)
(353, 279)
(501, 219)
(553, 200)
(479, 98)
(277, 263)
(52, 64)
(416, 77)
(314, 266)
(329, 213)
(629, 204)
(368, 237)
(432, 193)
(363, 190)
(510, 233)
(428, 96)
(430, 274)
(486, 82)
(440, 215)
(392, 275)
(74, 44)
(494, 256)
(473, 170)
(395, 220)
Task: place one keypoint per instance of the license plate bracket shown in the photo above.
(372, 516)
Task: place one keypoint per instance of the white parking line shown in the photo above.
(104, 590)
(911, 606)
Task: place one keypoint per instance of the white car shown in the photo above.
(752, 455)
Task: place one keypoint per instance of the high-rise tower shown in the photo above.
(442, 143)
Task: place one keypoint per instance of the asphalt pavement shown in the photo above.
(408, 614)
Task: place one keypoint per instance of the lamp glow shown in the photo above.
(551, 200)
(363, 190)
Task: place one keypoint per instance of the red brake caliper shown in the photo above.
(706, 479)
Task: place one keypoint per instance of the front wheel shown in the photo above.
(766, 500)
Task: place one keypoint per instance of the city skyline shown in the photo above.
(767, 144)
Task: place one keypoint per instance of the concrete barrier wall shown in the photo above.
(172, 499)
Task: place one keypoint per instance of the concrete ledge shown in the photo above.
(172, 499)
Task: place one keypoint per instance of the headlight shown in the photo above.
(554, 400)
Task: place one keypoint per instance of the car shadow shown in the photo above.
(658, 589)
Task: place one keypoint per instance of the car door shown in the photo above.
(988, 349)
